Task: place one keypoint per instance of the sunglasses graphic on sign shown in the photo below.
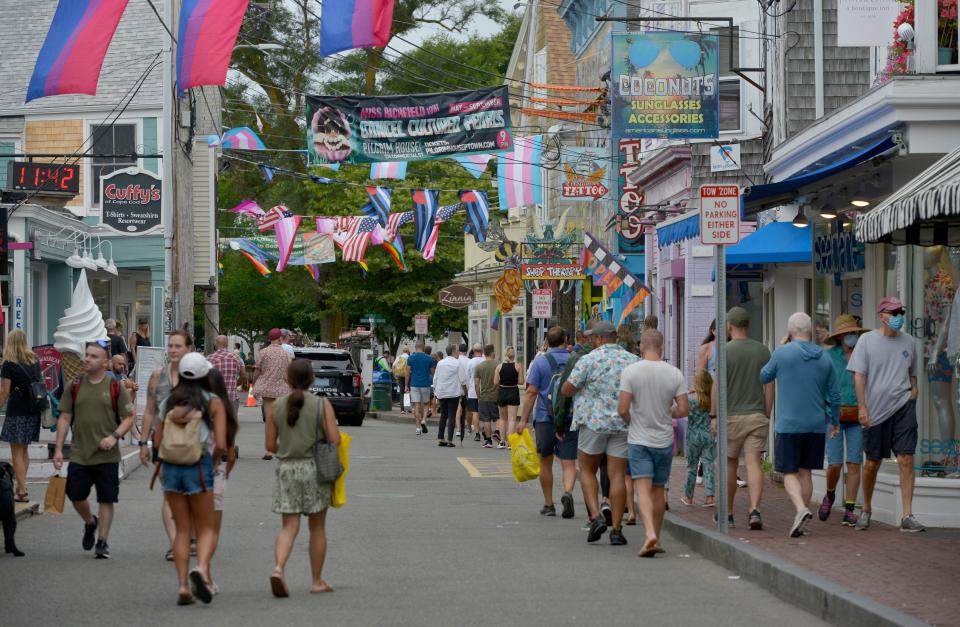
(686, 53)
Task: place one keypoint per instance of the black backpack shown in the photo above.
(36, 394)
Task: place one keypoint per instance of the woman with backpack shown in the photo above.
(192, 432)
(300, 421)
(20, 370)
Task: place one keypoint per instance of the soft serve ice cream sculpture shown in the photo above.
(82, 322)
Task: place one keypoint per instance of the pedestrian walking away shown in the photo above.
(21, 426)
(883, 364)
(450, 383)
(231, 369)
(595, 384)
(484, 374)
(473, 407)
(807, 391)
(223, 463)
(652, 394)
(701, 432)
(462, 413)
(508, 377)
(269, 375)
(419, 371)
(545, 370)
(399, 369)
(749, 404)
(97, 412)
(301, 420)
(191, 433)
(140, 337)
(847, 445)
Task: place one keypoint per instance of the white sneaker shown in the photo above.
(419, 432)
(502, 445)
(741, 483)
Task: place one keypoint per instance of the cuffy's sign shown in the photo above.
(130, 201)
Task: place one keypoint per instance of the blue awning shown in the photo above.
(756, 196)
(778, 242)
(684, 228)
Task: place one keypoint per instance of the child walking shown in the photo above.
(700, 446)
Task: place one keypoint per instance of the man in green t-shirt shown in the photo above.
(87, 409)
(487, 393)
(749, 405)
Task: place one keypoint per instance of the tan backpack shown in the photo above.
(181, 442)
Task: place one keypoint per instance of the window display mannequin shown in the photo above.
(941, 348)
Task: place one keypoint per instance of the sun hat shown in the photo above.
(843, 324)
(194, 366)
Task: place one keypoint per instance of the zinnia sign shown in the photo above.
(457, 296)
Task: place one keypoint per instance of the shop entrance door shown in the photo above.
(125, 316)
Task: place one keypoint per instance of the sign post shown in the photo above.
(720, 226)
(420, 325)
(541, 307)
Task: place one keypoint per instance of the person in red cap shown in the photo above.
(884, 374)
(270, 376)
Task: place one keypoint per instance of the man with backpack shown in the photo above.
(541, 401)
(92, 407)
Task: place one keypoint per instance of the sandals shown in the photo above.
(193, 548)
(185, 599)
(688, 502)
(168, 555)
(278, 586)
(22, 498)
(631, 522)
(200, 588)
(649, 549)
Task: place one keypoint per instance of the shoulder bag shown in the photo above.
(325, 454)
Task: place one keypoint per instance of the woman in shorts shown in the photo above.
(509, 379)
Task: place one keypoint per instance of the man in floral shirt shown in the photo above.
(594, 384)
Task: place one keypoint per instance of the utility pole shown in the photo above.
(166, 203)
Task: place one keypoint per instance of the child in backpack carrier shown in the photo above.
(700, 445)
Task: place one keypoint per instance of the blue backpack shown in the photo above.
(555, 400)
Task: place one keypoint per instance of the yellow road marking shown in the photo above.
(471, 469)
(486, 468)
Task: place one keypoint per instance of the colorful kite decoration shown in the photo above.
(72, 54)
(207, 33)
(241, 138)
(347, 24)
(519, 179)
(425, 203)
(476, 165)
(478, 213)
(609, 271)
(388, 170)
(286, 232)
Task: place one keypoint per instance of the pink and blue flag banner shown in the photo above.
(248, 208)
(346, 24)
(476, 165)
(207, 33)
(286, 232)
(478, 213)
(388, 170)
(425, 202)
(519, 177)
(241, 138)
(72, 54)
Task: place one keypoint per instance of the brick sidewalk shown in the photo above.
(914, 573)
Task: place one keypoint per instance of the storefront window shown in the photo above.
(100, 288)
(143, 304)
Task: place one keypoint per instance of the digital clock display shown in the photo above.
(44, 177)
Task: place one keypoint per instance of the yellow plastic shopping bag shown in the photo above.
(526, 466)
(339, 497)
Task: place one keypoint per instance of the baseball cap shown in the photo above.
(602, 329)
(274, 334)
(889, 304)
(194, 366)
(738, 317)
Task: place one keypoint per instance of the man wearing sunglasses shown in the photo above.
(884, 374)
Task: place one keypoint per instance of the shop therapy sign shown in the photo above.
(130, 202)
(837, 254)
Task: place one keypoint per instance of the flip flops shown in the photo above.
(278, 586)
(22, 498)
(200, 588)
(649, 549)
(185, 600)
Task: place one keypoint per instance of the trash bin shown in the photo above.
(380, 397)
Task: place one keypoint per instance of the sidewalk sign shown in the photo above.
(542, 304)
(420, 324)
(149, 358)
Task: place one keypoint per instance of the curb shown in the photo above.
(397, 419)
(824, 598)
(32, 509)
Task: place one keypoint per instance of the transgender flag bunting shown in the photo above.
(425, 203)
(478, 213)
(519, 179)
(72, 54)
(476, 165)
(207, 33)
(388, 170)
(241, 138)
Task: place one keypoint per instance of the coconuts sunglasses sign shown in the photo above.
(130, 202)
(366, 129)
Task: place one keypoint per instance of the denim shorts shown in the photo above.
(186, 479)
(647, 462)
(548, 444)
(850, 433)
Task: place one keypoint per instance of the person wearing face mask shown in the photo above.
(883, 364)
(847, 444)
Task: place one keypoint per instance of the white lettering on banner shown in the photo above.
(719, 214)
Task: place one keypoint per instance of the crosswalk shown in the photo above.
(483, 468)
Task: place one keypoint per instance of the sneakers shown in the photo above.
(423, 427)
(102, 551)
(849, 518)
(502, 444)
(863, 523)
(89, 534)
(476, 437)
(799, 523)
(607, 514)
(756, 523)
(911, 525)
(496, 435)
(825, 507)
(597, 528)
(567, 502)
(741, 483)
(419, 432)
(548, 510)
(616, 537)
(730, 524)
(456, 434)
(488, 443)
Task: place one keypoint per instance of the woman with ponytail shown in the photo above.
(300, 421)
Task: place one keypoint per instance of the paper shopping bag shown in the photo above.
(56, 495)
(339, 496)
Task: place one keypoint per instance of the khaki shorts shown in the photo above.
(747, 432)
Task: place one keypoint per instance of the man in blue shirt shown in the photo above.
(536, 403)
(419, 370)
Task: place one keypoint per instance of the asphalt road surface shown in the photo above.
(422, 541)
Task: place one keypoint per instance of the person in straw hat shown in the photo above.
(846, 332)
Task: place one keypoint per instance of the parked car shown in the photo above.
(337, 379)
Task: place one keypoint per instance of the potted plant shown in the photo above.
(899, 52)
(947, 31)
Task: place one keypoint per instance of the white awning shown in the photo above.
(925, 211)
